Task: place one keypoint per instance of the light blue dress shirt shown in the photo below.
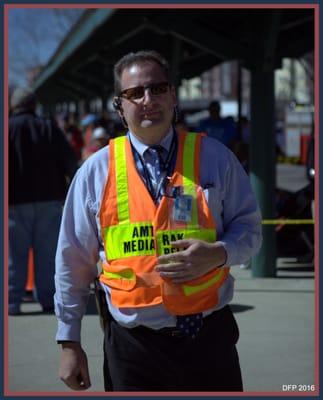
(231, 201)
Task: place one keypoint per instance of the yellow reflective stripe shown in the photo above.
(189, 290)
(188, 172)
(125, 274)
(121, 180)
(194, 232)
(164, 238)
(188, 163)
(127, 240)
(288, 221)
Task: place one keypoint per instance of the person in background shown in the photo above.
(106, 122)
(241, 147)
(166, 214)
(41, 163)
(222, 129)
(88, 124)
(73, 134)
(180, 124)
(100, 138)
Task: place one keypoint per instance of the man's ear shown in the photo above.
(116, 102)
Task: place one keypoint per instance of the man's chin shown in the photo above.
(151, 122)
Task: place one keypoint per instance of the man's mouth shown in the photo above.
(151, 114)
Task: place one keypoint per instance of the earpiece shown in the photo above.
(116, 102)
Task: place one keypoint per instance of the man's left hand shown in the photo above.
(196, 258)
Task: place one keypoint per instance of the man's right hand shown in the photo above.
(73, 370)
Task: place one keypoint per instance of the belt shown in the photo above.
(169, 331)
(173, 331)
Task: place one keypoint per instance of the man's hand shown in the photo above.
(196, 259)
(73, 369)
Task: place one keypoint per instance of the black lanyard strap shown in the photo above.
(168, 167)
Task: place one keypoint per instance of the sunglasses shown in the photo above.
(138, 92)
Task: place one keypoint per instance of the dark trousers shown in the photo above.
(142, 359)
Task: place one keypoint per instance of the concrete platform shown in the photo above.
(276, 346)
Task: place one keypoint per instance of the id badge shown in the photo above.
(182, 211)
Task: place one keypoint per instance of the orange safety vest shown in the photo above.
(135, 231)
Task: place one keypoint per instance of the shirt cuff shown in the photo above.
(230, 253)
(70, 331)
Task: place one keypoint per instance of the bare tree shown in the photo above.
(34, 35)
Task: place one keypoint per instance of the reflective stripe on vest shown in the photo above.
(129, 239)
(164, 238)
(122, 181)
(190, 289)
(188, 173)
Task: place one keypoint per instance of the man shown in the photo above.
(222, 129)
(165, 233)
(40, 163)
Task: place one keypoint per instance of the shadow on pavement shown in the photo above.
(236, 308)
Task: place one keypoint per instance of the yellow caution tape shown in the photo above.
(288, 221)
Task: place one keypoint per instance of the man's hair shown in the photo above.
(23, 98)
(215, 104)
(141, 56)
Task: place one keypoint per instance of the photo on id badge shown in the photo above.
(182, 211)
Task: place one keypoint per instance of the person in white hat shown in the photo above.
(100, 138)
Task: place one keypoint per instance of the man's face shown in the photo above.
(148, 117)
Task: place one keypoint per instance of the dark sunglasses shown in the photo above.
(138, 92)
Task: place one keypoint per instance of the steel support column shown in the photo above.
(175, 62)
(263, 164)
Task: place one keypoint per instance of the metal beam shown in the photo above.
(209, 41)
(77, 88)
(270, 43)
(91, 79)
(175, 64)
(298, 22)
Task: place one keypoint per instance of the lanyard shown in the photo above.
(168, 167)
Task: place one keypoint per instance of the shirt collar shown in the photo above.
(141, 147)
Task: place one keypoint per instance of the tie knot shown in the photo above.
(157, 152)
(157, 148)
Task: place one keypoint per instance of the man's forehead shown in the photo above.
(138, 66)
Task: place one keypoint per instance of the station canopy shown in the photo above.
(193, 40)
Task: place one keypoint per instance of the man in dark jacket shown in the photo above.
(41, 163)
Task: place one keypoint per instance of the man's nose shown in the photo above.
(147, 96)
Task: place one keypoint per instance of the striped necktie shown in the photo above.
(156, 168)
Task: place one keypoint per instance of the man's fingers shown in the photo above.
(180, 255)
(78, 382)
(182, 279)
(85, 377)
(73, 382)
(74, 370)
(183, 244)
(176, 266)
(177, 257)
(172, 274)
